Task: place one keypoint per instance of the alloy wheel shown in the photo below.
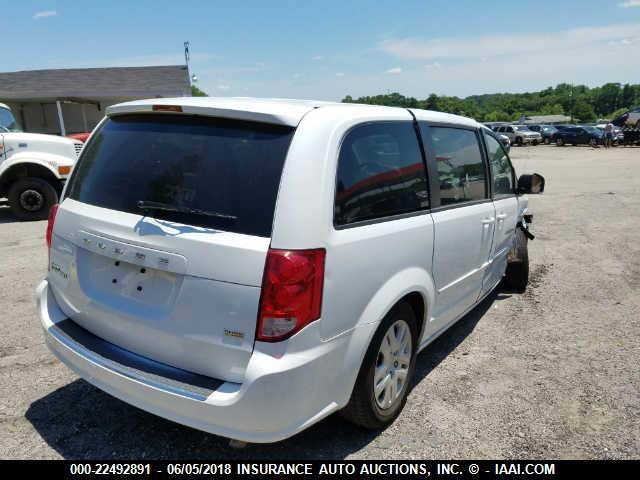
(392, 365)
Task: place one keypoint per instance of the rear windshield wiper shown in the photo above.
(147, 205)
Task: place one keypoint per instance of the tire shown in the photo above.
(559, 142)
(535, 143)
(516, 276)
(519, 141)
(31, 198)
(364, 407)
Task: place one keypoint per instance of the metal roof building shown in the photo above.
(547, 119)
(73, 100)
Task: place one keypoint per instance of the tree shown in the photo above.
(627, 98)
(196, 92)
(496, 116)
(555, 109)
(583, 102)
(583, 112)
(606, 98)
(431, 103)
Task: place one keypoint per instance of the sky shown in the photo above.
(328, 49)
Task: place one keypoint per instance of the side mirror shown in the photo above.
(531, 183)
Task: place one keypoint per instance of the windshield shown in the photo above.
(8, 122)
(207, 172)
(549, 129)
(520, 128)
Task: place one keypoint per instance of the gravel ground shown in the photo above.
(552, 373)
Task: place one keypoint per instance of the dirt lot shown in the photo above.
(553, 373)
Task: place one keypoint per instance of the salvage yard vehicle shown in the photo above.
(547, 132)
(628, 119)
(249, 266)
(520, 134)
(33, 167)
(578, 135)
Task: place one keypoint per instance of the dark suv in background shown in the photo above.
(546, 131)
(576, 135)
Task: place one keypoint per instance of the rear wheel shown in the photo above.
(383, 382)
(559, 142)
(519, 141)
(31, 198)
(516, 276)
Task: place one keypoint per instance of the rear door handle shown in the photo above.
(488, 220)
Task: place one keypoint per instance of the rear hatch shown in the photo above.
(160, 243)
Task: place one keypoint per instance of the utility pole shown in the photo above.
(187, 56)
(186, 59)
(571, 102)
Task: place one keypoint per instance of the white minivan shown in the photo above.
(249, 266)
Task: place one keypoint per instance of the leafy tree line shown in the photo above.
(584, 104)
(196, 92)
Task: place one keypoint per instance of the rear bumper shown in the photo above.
(286, 388)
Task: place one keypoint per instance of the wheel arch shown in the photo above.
(418, 292)
(28, 169)
(417, 303)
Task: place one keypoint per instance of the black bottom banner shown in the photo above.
(437, 469)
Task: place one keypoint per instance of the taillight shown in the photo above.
(291, 292)
(51, 221)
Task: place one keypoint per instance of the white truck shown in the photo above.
(33, 167)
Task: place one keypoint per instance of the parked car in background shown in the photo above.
(618, 134)
(494, 125)
(596, 132)
(211, 260)
(559, 128)
(520, 134)
(628, 119)
(546, 131)
(33, 167)
(578, 135)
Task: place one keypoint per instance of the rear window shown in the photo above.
(222, 166)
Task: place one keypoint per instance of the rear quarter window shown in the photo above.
(217, 165)
(380, 173)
